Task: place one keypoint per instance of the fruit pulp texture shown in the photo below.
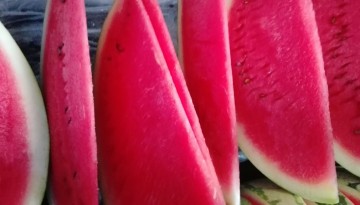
(14, 158)
(280, 91)
(67, 89)
(338, 24)
(146, 145)
(161, 32)
(207, 69)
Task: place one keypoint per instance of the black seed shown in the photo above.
(74, 175)
(69, 121)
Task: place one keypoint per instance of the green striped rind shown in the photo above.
(342, 201)
(270, 194)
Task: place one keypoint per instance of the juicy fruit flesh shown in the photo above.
(339, 33)
(147, 150)
(66, 76)
(203, 30)
(162, 34)
(14, 159)
(272, 74)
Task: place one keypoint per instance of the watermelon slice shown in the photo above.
(157, 20)
(148, 153)
(338, 23)
(67, 87)
(349, 185)
(205, 56)
(281, 95)
(264, 192)
(24, 137)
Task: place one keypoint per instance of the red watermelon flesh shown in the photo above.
(281, 95)
(148, 153)
(167, 48)
(338, 23)
(24, 139)
(67, 87)
(205, 55)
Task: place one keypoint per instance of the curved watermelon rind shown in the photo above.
(323, 192)
(265, 192)
(346, 159)
(36, 121)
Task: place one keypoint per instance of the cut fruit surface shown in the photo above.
(67, 88)
(24, 138)
(205, 57)
(157, 20)
(264, 192)
(281, 96)
(338, 23)
(148, 153)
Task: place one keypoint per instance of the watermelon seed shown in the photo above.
(119, 48)
(69, 121)
(247, 81)
(357, 132)
(63, 1)
(60, 51)
(66, 109)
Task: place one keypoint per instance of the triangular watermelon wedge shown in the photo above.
(205, 57)
(148, 153)
(338, 23)
(67, 87)
(162, 34)
(24, 134)
(281, 95)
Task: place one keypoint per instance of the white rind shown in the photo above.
(346, 159)
(38, 134)
(273, 192)
(323, 192)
